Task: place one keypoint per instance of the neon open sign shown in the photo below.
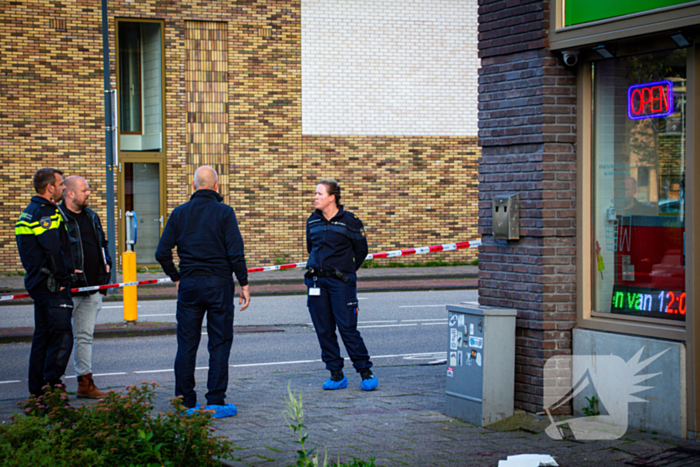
(650, 100)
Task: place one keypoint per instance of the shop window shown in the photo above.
(140, 86)
(638, 185)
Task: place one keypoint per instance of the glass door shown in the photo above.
(141, 191)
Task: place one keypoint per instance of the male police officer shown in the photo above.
(92, 263)
(44, 248)
(210, 247)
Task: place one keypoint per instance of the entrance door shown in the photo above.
(142, 151)
(141, 191)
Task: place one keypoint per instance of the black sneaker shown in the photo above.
(337, 376)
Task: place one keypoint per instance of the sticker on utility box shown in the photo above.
(450, 372)
(453, 358)
(476, 342)
(454, 338)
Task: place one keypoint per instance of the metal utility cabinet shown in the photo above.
(480, 364)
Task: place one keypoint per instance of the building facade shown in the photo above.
(588, 112)
(275, 94)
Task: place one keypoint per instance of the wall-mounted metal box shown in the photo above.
(506, 216)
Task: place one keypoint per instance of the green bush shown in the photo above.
(115, 431)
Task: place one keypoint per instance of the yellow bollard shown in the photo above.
(130, 299)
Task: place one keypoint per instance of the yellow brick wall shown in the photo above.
(409, 191)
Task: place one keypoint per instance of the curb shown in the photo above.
(466, 284)
(112, 330)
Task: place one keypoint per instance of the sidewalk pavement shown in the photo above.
(291, 281)
(285, 282)
(400, 423)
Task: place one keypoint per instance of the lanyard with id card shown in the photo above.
(314, 291)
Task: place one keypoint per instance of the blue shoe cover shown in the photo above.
(223, 411)
(330, 384)
(193, 409)
(370, 383)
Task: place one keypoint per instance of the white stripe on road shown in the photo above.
(421, 306)
(162, 314)
(387, 326)
(249, 365)
(426, 319)
(116, 306)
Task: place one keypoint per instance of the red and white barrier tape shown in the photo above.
(385, 254)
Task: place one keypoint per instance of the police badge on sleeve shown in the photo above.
(45, 222)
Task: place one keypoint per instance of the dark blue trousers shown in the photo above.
(337, 307)
(197, 296)
(52, 343)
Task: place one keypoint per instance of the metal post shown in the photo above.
(109, 142)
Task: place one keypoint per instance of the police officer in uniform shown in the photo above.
(337, 246)
(44, 248)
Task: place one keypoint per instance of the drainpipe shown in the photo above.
(110, 138)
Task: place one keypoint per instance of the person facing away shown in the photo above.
(92, 265)
(44, 248)
(210, 247)
(337, 246)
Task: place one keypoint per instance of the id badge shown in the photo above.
(314, 292)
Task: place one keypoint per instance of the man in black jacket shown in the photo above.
(210, 248)
(44, 247)
(92, 264)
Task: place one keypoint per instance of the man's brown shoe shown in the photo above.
(87, 388)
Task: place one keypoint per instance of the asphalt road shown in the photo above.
(398, 328)
(269, 310)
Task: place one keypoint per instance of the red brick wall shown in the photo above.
(527, 120)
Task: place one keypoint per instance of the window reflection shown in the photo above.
(639, 217)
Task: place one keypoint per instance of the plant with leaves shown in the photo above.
(116, 430)
(294, 416)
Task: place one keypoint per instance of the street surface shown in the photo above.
(398, 328)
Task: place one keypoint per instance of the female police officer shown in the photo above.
(336, 242)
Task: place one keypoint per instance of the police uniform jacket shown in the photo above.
(44, 246)
(207, 237)
(336, 245)
(77, 247)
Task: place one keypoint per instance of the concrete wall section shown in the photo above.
(663, 409)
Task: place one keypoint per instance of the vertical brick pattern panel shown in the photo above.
(527, 112)
(206, 87)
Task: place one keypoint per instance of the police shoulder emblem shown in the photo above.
(45, 222)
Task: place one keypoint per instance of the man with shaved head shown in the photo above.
(92, 264)
(210, 247)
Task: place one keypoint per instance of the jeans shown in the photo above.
(53, 338)
(197, 296)
(85, 310)
(337, 307)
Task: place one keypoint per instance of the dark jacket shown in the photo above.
(206, 234)
(44, 246)
(77, 247)
(339, 244)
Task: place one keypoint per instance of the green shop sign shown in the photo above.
(584, 11)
